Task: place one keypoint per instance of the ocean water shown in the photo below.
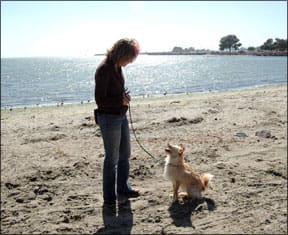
(50, 81)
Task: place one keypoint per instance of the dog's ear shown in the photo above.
(182, 148)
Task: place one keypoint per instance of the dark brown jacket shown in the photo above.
(109, 88)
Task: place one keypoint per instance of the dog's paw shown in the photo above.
(183, 194)
(184, 197)
(173, 197)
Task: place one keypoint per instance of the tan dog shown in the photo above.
(182, 175)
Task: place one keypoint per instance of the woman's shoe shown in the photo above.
(122, 202)
(133, 193)
(122, 199)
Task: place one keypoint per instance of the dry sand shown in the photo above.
(51, 166)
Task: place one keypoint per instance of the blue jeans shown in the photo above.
(116, 140)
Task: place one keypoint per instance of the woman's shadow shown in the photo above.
(116, 224)
(181, 212)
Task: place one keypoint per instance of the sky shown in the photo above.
(83, 28)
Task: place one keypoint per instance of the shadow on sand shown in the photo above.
(181, 212)
(116, 224)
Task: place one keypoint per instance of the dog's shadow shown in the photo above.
(116, 224)
(181, 212)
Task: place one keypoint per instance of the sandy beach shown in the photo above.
(51, 166)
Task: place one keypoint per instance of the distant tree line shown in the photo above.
(229, 42)
(278, 45)
(183, 50)
(232, 43)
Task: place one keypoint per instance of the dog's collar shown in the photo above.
(170, 164)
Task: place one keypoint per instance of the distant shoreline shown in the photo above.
(255, 53)
(143, 97)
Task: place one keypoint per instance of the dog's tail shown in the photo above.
(206, 178)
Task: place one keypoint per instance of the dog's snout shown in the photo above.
(168, 149)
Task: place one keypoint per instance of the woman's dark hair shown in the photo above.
(123, 49)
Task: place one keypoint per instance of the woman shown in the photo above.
(112, 102)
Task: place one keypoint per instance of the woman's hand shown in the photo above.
(126, 99)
